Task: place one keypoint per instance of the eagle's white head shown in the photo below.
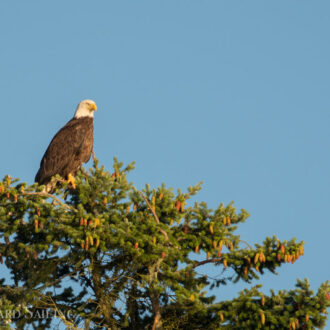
(85, 108)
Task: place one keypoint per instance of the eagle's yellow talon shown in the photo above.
(72, 180)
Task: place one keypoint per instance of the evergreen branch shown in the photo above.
(44, 194)
(61, 316)
(53, 283)
(154, 295)
(200, 263)
(246, 244)
(155, 215)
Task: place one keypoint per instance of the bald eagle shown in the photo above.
(69, 148)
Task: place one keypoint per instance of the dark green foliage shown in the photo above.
(108, 256)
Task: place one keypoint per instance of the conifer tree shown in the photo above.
(109, 256)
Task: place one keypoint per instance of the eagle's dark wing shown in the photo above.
(70, 147)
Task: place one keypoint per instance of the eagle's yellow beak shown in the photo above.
(93, 106)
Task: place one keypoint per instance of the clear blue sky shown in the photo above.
(234, 93)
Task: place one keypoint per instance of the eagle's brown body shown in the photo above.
(70, 147)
